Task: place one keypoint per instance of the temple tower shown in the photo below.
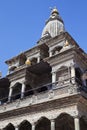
(46, 86)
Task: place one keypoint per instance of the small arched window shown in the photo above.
(78, 74)
(33, 61)
(16, 93)
(56, 50)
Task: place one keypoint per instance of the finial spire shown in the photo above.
(54, 11)
(54, 25)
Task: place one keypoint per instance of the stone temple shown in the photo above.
(46, 86)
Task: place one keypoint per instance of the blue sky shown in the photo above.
(22, 22)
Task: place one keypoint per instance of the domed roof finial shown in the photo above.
(54, 11)
(54, 25)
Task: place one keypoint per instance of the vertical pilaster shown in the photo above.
(53, 77)
(52, 124)
(10, 93)
(73, 73)
(38, 59)
(33, 126)
(50, 53)
(77, 123)
(16, 127)
(23, 90)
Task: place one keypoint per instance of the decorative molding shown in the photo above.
(50, 105)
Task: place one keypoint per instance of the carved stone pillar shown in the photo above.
(38, 59)
(23, 90)
(77, 123)
(16, 127)
(33, 126)
(52, 124)
(10, 93)
(53, 77)
(73, 73)
(50, 53)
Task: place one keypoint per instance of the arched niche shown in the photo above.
(9, 127)
(16, 93)
(56, 50)
(33, 61)
(63, 74)
(4, 90)
(43, 124)
(64, 122)
(25, 125)
(22, 58)
(78, 74)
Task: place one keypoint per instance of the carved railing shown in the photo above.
(57, 88)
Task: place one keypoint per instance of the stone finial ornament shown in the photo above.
(28, 62)
(54, 25)
(66, 43)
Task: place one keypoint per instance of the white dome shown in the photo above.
(54, 25)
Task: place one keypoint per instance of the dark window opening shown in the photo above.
(25, 125)
(16, 94)
(43, 124)
(56, 50)
(64, 122)
(78, 76)
(22, 59)
(33, 61)
(9, 127)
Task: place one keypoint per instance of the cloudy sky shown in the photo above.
(22, 22)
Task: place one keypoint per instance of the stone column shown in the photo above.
(53, 77)
(50, 53)
(52, 124)
(10, 93)
(33, 126)
(23, 90)
(77, 123)
(73, 73)
(38, 59)
(16, 127)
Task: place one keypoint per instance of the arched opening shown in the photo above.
(43, 124)
(22, 59)
(83, 123)
(9, 127)
(78, 73)
(16, 93)
(4, 90)
(33, 61)
(56, 50)
(63, 75)
(12, 69)
(25, 125)
(64, 122)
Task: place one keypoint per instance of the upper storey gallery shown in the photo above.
(55, 62)
(54, 26)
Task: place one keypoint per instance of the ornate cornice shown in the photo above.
(61, 57)
(17, 74)
(50, 105)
